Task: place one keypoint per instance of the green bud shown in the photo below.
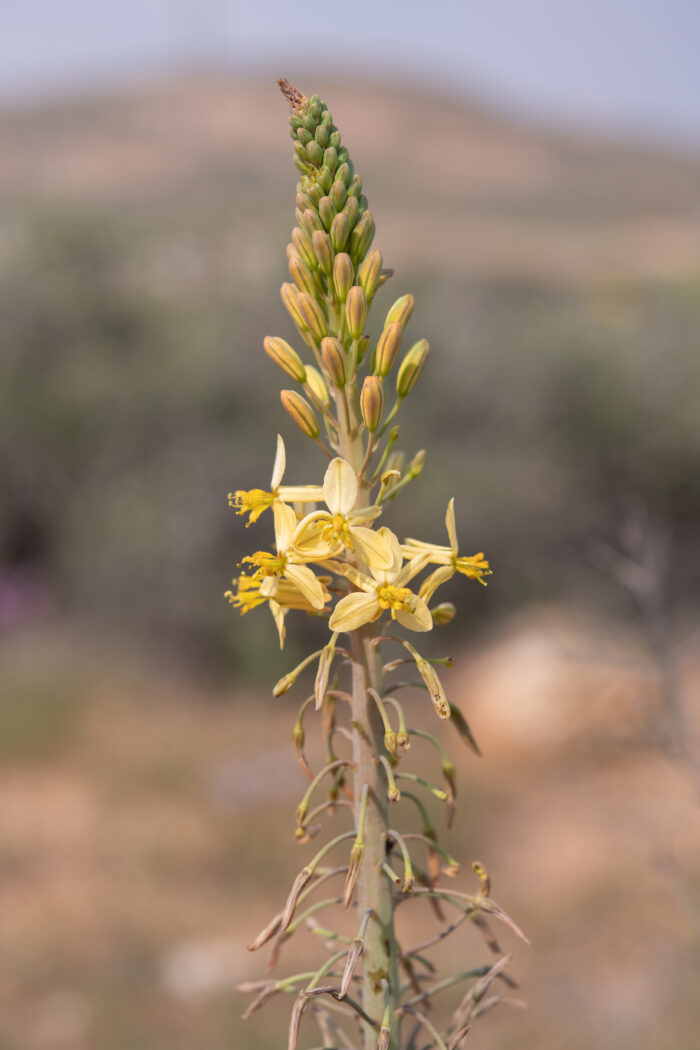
(317, 384)
(325, 179)
(334, 141)
(415, 469)
(352, 211)
(344, 173)
(301, 412)
(326, 211)
(302, 276)
(321, 137)
(372, 402)
(286, 357)
(302, 242)
(334, 360)
(340, 231)
(387, 348)
(343, 276)
(314, 153)
(290, 298)
(362, 344)
(330, 157)
(323, 251)
(443, 613)
(368, 274)
(361, 237)
(401, 310)
(411, 368)
(303, 201)
(303, 136)
(315, 193)
(339, 194)
(313, 316)
(311, 221)
(355, 311)
(355, 186)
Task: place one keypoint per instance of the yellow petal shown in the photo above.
(390, 574)
(372, 547)
(431, 583)
(340, 487)
(279, 465)
(353, 611)
(304, 579)
(278, 615)
(285, 525)
(418, 618)
(451, 526)
(414, 566)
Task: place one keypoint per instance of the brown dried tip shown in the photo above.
(293, 95)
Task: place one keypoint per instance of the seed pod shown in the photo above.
(361, 237)
(286, 357)
(338, 194)
(323, 251)
(317, 384)
(368, 274)
(387, 348)
(302, 242)
(301, 412)
(330, 157)
(302, 276)
(326, 211)
(334, 360)
(355, 311)
(343, 276)
(352, 210)
(372, 402)
(340, 231)
(313, 316)
(401, 311)
(411, 368)
(290, 298)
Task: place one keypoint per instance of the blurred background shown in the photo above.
(534, 173)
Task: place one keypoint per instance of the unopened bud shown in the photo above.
(372, 402)
(362, 344)
(401, 310)
(302, 276)
(344, 172)
(325, 179)
(326, 211)
(317, 385)
(323, 251)
(290, 298)
(387, 349)
(355, 186)
(330, 156)
(321, 135)
(310, 221)
(314, 153)
(443, 613)
(339, 194)
(301, 412)
(368, 273)
(355, 311)
(286, 357)
(334, 360)
(302, 242)
(415, 467)
(361, 237)
(339, 231)
(343, 276)
(313, 315)
(411, 367)
(351, 210)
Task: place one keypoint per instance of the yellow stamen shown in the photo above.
(247, 596)
(252, 501)
(267, 564)
(475, 567)
(394, 598)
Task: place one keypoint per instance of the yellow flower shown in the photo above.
(287, 562)
(324, 534)
(385, 590)
(448, 558)
(255, 501)
(281, 595)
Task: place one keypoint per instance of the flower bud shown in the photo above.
(301, 412)
(326, 211)
(372, 402)
(323, 250)
(290, 298)
(313, 315)
(302, 242)
(443, 613)
(355, 186)
(317, 384)
(321, 135)
(310, 221)
(361, 237)
(368, 274)
(343, 276)
(286, 357)
(401, 311)
(387, 348)
(356, 311)
(339, 231)
(330, 157)
(415, 468)
(301, 275)
(411, 368)
(314, 153)
(344, 172)
(351, 210)
(334, 360)
(339, 194)
(325, 179)
(362, 344)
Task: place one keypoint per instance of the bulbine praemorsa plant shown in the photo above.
(332, 559)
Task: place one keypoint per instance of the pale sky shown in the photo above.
(623, 65)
